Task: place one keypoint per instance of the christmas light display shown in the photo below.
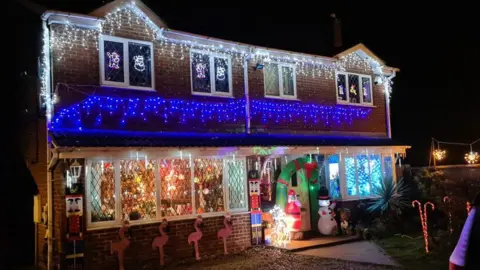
(208, 177)
(439, 154)
(423, 219)
(281, 232)
(471, 157)
(201, 69)
(91, 112)
(113, 60)
(221, 73)
(469, 207)
(139, 63)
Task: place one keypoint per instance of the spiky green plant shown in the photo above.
(392, 197)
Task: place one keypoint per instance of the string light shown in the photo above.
(439, 154)
(423, 219)
(447, 202)
(68, 37)
(94, 110)
(45, 90)
(471, 157)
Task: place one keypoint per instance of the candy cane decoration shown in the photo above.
(423, 219)
(446, 200)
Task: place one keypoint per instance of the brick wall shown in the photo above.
(97, 242)
(79, 65)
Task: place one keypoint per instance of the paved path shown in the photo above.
(363, 251)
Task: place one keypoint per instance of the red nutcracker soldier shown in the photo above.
(255, 210)
(292, 209)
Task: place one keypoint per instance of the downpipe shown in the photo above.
(387, 101)
(51, 167)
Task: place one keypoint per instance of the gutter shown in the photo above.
(387, 101)
(60, 17)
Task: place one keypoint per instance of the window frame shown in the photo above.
(343, 177)
(118, 202)
(280, 81)
(360, 76)
(213, 90)
(126, 63)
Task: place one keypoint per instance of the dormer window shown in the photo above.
(126, 63)
(352, 88)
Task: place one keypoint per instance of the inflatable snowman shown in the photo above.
(327, 225)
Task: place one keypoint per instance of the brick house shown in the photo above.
(168, 124)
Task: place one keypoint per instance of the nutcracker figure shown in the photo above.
(255, 210)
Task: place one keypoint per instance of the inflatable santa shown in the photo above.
(292, 210)
(327, 225)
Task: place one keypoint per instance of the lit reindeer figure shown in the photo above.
(197, 235)
(121, 245)
(225, 232)
(161, 240)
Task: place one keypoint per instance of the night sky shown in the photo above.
(436, 93)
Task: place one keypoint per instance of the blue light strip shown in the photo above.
(103, 112)
(285, 112)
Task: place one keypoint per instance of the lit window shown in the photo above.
(334, 176)
(176, 191)
(211, 73)
(387, 167)
(279, 80)
(208, 178)
(236, 174)
(101, 186)
(363, 175)
(126, 63)
(138, 193)
(354, 88)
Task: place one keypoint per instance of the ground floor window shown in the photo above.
(143, 189)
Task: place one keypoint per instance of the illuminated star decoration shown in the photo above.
(139, 62)
(113, 60)
(471, 157)
(439, 154)
(220, 73)
(200, 68)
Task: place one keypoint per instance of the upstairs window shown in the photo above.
(279, 80)
(354, 88)
(211, 73)
(126, 63)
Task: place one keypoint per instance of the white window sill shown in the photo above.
(95, 227)
(226, 95)
(284, 98)
(356, 104)
(129, 87)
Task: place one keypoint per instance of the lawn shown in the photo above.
(409, 251)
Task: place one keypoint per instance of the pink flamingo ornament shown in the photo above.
(121, 245)
(225, 232)
(197, 235)
(161, 240)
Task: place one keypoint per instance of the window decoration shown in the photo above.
(210, 73)
(363, 175)
(126, 63)
(279, 80)
(334, 176)
(113, 62)
(354, 88)
(341, 87)
(235, 170)
(350, 175)
(376, 175)
(101, 191)
(176, 187)
(140, 64)
(138, 193)
(208, 178)
(387, 167)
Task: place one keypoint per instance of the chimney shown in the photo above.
(337, 31)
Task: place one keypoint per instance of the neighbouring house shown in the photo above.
(144, 122)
